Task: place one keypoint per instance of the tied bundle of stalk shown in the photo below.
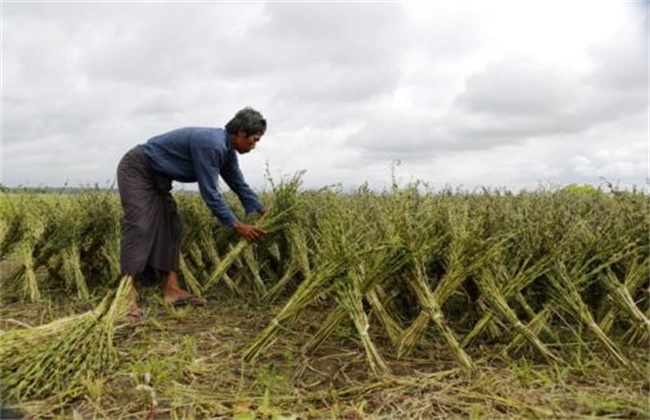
(272, 221)
(58, 358)
(283, 210)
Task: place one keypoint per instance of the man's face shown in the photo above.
(244, 143)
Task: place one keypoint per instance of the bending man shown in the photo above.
(151, 232)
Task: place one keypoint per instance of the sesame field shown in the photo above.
(405, 303)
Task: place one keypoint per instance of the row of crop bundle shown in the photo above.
(529, 272)
(71, 243)
(58, 242)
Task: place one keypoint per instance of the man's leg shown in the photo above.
(135, 197)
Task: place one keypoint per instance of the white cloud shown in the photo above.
(499, 93)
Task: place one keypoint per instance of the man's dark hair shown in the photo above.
(247, 120)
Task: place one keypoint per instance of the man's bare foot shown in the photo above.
(185, 299)
(134, 315)
(175, 295)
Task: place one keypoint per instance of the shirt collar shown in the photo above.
(229, 142)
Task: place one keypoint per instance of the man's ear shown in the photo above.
(239, 136)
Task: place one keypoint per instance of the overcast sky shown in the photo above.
(504, 94)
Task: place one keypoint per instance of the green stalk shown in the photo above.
(306, 293)
(350, 298)
(56, 358)
(268, 223)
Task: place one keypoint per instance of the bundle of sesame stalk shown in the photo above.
(348, 264)
(59, 357)
(270, 222)
(281, 213)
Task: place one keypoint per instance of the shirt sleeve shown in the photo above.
(206, 163)
(231, 173)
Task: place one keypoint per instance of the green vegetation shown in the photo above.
(403, 303)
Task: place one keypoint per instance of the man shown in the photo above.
(151, 232)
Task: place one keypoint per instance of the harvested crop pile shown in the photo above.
(59, 357)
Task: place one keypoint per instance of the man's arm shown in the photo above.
(206, 167)
(233, 176)
(206, 163)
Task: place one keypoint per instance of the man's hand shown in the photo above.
(262, 211)
(248, 232)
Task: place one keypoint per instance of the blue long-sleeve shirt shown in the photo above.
(196, 154)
